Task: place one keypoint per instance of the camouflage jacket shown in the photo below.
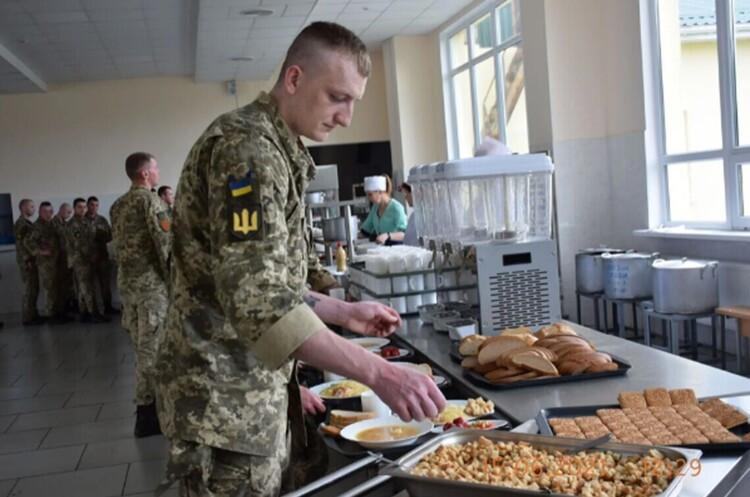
(61, 228)
(44, 237)
(80, 244)
(238, 281)
(140, 232)
(102, 235)
(22, 230)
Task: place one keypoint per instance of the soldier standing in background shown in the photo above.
(45, 246)
(167, 197)
(66, 288)
(102, 236)
(22, 229)
(141, 235)
(82, 247)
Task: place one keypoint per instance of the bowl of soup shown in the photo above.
(385, 432)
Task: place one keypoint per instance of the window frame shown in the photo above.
(732, 154)
(449, 96)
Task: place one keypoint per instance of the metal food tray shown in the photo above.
(420, 486)
(542, 421)
(481, 381)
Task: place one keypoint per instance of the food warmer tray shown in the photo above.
(542, 420)
(420, 486)
(478, 379)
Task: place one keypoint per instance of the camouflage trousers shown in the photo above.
(86, 287)
(102, 276)
(143, 316)
(204, 471)
(30, 280)
(48, 275)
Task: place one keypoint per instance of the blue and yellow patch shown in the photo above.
(245, 213)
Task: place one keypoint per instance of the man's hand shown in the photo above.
(311, 403)
(382, 238)
(372, 319)
(410, 394)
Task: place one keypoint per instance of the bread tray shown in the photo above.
(419, 486)
(542, 421)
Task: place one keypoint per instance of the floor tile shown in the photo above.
(6, 485)
(58, 417)
(112, 429)
(33, 404)
(11, 393)
(145, 476)
(172, 492)
(117, 410)
(39, 462)
(58, 387)
(115, 452)
(5, 422)
(94, 397)
(100, 482)
(21, 441)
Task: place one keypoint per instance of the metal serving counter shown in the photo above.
(723, 476)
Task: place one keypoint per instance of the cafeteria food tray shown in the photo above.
(543, 417)
(478, 379)
(420, 486)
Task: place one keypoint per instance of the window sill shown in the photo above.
(695, 234)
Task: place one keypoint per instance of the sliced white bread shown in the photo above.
(499, 346)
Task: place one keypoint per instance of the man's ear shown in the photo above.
(292, 78)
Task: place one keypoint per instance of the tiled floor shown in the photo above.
(66, 416)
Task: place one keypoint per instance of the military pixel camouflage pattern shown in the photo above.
(81, 248)
(22, 230)
(142, 245)
(65, 286)
(238, 281)
(44, 238)
(101, 264)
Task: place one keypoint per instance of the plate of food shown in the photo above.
(343, 389)
(385, 432)
(391, 353)
(370, 343)
(464, 410)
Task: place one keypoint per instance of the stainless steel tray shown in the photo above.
(419, 486)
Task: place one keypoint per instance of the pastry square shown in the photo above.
(631, 399)
(657, 397)
(682, 396)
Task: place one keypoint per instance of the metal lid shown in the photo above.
(682, 264)
(600, 251)
(628, 256)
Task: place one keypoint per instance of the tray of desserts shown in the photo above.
(519, 357)
(656, 416)
(478, 464)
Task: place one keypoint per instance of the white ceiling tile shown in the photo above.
(115, 4)
(302, 9)
(279, 22)
(115, 15)
(51, 17)
(51, 5)
(15, 19)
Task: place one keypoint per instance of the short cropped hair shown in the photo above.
(92, 199)
(79, 200)
(135, 162)
(23, 202)
(163, 189)
(45, 204)
(327, 36)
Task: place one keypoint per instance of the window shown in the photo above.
(702, 68)
(479, 103)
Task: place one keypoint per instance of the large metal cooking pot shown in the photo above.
(628, 276)
(334, 229)
(590, 269)
(685, 286)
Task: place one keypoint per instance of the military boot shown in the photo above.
(146, 421)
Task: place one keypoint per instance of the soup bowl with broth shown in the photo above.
(386, 432)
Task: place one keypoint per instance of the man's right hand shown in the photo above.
(410, 394)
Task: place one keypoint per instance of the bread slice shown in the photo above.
(485, 368)
(631, 399)
(330, 430)
(556, 329)
(521, 330)
(566, 353)
(683, 396)
(500, 373)
(547, 353)
(657, 397)
(588, 356)
(572, 367)
(601, 368)
(533, 361)
(529, 375)
(506, 359)
(470, 362)
(499, 346)
(557, 342)
(469, 346)
(341, 419)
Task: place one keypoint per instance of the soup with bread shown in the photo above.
(387, 433)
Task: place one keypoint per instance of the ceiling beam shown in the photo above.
(21, 67)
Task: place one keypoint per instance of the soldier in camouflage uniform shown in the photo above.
(102, 236)
(167, 198)
(22, 229)
(142, 240)
(66, 287)
(240, 312)
(45, 246)
(81, 249)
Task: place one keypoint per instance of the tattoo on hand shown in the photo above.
(311, 300)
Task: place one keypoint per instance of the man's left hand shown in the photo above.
(381, 239)
(311, 403)
(372, 319)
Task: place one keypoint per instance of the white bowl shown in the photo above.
(350, 432)
(318, 389)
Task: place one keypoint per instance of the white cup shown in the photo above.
(413, 302)
(372, 403)
(429, 281)
(447, 279)
(400, 284)
(382, 286)
(413, 262)
(399, 304)
(429, 298)
(396, 264)
(378, 264)
(416, 282)
(337, 293)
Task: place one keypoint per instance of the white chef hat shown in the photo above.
(375, 184)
